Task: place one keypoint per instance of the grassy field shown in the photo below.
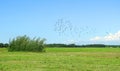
(62, 59)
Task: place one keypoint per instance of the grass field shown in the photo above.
(62, 59)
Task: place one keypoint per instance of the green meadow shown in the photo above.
(61, 59)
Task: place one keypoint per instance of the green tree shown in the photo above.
(24, 43)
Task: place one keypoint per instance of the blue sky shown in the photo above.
(61, 21)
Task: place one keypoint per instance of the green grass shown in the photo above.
(83, 49)
(62, 59)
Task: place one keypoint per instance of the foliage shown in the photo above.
(24, 43)
(2, 45)
(74, 45)
(83, 46)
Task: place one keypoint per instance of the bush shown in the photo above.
(1, 45)
(4, 45)
(24, 43)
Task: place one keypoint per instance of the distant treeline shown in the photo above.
(88, 45)
(4, 45)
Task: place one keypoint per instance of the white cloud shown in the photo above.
(109, 37)
(95, 38)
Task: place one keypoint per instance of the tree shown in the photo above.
(24, 43)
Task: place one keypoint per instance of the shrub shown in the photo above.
(24, 43)
(4, 45)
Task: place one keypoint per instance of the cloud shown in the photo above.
(109, 37)
(95, 38)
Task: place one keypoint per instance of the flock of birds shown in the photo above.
(66, 28)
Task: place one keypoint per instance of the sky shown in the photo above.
(61, 21)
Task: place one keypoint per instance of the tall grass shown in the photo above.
(24, 43)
